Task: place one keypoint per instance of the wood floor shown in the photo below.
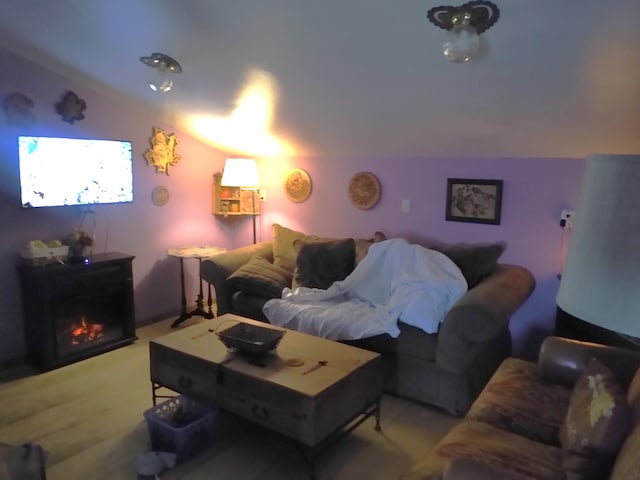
(89, 418)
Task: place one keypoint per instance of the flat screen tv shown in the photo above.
(73, 171)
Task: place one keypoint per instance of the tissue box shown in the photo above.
(43, 255)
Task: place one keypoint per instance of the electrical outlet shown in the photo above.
(566, 218)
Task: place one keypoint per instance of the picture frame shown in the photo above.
(474, 200)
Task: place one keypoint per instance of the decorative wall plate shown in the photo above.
(162, 153)
(297, 185)
(160, 196)
(18, 110)
(70, 107)
(364, 190)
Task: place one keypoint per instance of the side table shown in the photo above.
(199, 253)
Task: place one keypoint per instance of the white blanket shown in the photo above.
(396, 281)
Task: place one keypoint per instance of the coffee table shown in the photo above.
(309, 389)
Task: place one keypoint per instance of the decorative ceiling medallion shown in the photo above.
(364, 190)
(480, 14)
(163, 150)
(70, 108)
(297, 185)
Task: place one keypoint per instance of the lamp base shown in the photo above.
(572, 327)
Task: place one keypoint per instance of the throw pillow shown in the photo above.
(284, 253)
(320, 263)
(260, 277)
(596, 424)
(474, 261)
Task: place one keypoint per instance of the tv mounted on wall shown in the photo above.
(72, 171)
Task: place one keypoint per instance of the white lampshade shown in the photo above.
(601, 278)
(240, 172)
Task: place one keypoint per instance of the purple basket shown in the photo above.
(181, 425)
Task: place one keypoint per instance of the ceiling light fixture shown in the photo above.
(163, 66)
(464, 24)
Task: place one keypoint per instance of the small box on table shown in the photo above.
(41, 256)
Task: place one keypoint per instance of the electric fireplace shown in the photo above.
(77, 310)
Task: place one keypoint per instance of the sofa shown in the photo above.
(572, 415)
(447, 369)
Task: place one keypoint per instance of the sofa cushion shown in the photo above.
(284, 253)
(260, 277)
(466, 468)
(363, 244)
(474, 261)
(633, 397)
(627, 466)
(596, 424)
(412, 342)
(321, 262)
(249, 306)
(516, 399)
(484, 443)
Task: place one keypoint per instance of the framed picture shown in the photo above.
(476, 201)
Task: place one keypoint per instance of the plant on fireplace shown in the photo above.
(80, 243)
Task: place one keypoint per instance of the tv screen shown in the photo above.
(74, 171)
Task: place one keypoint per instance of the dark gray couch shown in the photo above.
(447, 369)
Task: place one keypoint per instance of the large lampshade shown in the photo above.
(601, 278)
(240, 172)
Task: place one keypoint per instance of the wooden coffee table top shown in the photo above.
(279, 366)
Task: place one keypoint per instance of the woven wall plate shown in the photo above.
(364, 190)
(297, 185)
(160, 196)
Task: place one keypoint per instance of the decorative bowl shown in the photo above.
(250, 339)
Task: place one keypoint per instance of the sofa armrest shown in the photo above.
(472, 469)
(481, 314)
(216, 269)
(561, 360)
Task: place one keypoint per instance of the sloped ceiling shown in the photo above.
(356, 77)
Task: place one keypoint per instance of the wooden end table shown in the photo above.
(199, 253)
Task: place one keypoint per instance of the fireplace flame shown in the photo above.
(86, 332)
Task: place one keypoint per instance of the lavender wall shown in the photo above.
(535, 191)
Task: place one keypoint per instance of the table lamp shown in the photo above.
(600, 283)
(243, 173)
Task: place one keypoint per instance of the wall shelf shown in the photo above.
(233, 201)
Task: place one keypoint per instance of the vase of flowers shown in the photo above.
(80, 244)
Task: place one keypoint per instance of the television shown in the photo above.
(58, 171)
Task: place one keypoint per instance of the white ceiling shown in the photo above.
(359, 77)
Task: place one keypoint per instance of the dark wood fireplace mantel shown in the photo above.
(77, 310)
